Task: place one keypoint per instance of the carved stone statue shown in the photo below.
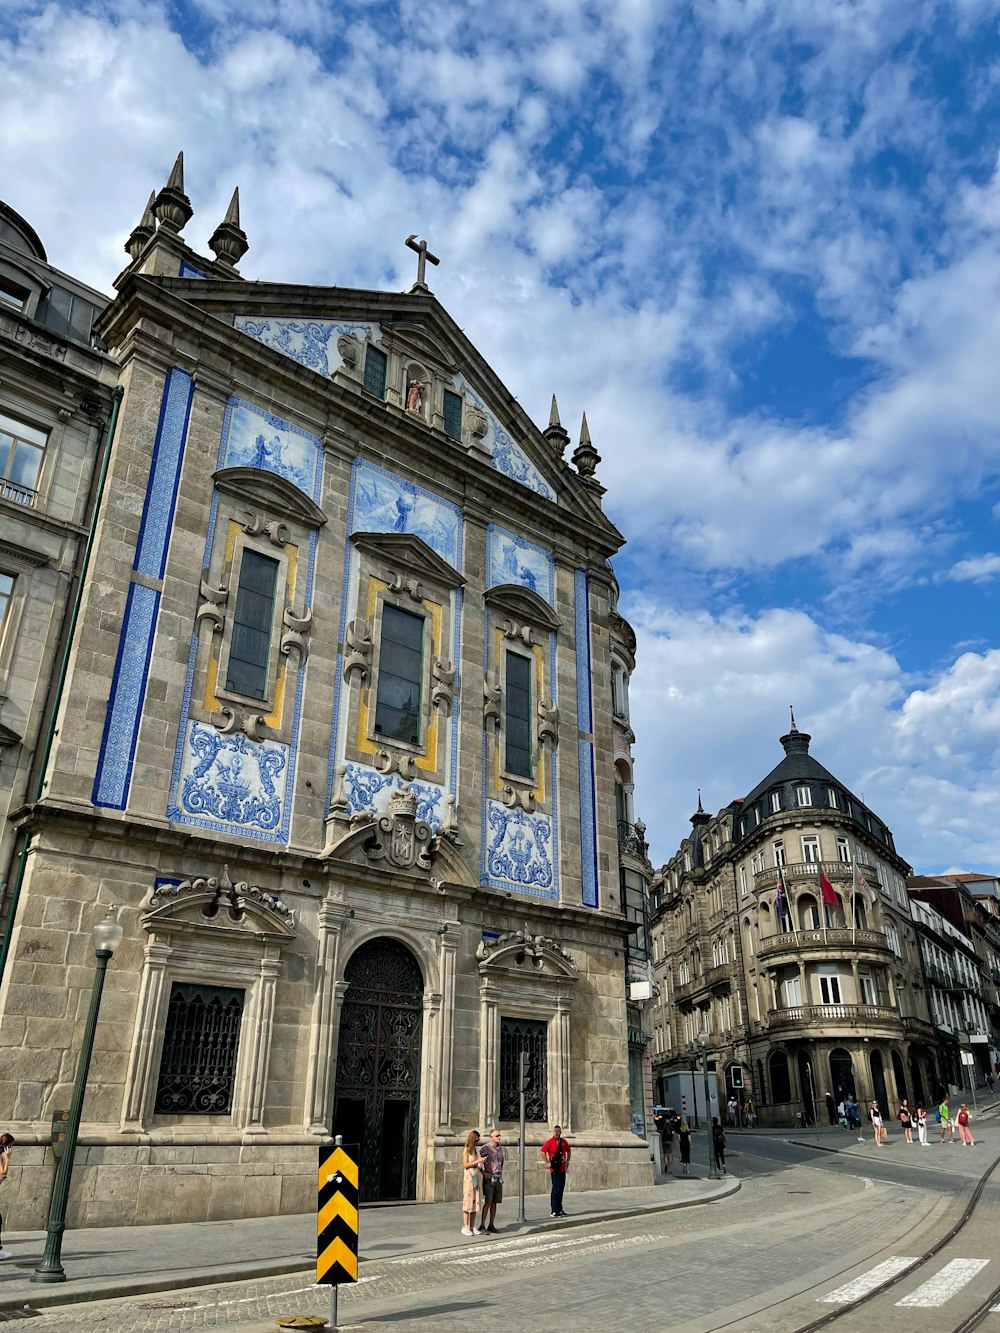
(414, 396)
(399, 838)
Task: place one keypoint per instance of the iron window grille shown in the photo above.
(200, 1046)
(517, 1035)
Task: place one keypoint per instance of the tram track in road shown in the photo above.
(895, 1274)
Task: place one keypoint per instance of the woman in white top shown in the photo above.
(875, 1115)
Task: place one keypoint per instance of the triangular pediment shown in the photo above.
(269, 491)
(327, 330)
(405, 550)
(518, 952)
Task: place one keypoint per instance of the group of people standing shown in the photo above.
(670, 1125)
(909, 1119)
(482, 1187)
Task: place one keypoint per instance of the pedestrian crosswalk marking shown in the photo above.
(491, 1252)
(867, 1282)
(942, 1286)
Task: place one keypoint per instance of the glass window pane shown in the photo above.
(375, 372)
(452, 414)
(22, 431)
(250, 644)
(400, 677)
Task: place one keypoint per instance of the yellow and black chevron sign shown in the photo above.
(337, 1216)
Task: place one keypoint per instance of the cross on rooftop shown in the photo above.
(424, 257)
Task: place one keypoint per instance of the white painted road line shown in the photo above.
(861, 1286)
(486, 1255)
(952, 1278)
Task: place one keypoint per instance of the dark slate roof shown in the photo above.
(798, 765)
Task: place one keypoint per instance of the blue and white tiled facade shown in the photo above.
(585, 725)
(507, 455)
(128, 685)
(226, 782)
(311, 342)
(519, 850)
(512, 559)
(384, 502)
(366, 789)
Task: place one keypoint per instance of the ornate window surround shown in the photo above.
(208, 931)
(269, 551)
(525, 976)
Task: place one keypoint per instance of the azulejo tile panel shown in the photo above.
(508, 456)
(584, 716)
(367, 789)
(165, 469)
(254, 438)
(311, 342)
(519, 848)
(384, 502)
(232, 783)
(512, 559)
(187, 270)
(128, 690)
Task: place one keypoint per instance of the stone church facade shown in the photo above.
(336, 739)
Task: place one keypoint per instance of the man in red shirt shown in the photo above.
(556, 1152)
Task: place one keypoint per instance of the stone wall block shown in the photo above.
(262, 1196)
(118, 1183)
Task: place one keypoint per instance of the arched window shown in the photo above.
(764, 921)
(808, 912)
(860, 913)
(781, 1087)
(761, 1084)
(747, 937)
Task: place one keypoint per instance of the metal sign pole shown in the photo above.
(520, 1166)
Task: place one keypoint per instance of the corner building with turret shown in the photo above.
(336, 737)
(790, 1000)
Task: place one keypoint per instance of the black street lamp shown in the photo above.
(713, 1173)
(106, 937)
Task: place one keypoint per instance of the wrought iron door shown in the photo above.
(378, 1067)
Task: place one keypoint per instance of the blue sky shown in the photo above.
(756, 240)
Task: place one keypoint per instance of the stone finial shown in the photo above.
(554, 432)
(585, 456)
(142, 233)
(229, 241)
(172, 207)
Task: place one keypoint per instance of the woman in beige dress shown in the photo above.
(472, 1170)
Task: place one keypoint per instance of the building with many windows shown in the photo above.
(56, 397)
(783, 949)
(335, 738)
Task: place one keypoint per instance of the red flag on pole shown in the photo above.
(826, 889)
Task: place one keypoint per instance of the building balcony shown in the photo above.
(937, 976)
(715, 979)
(21, 495)
(834, 940)
(833, 1015)
(807, 872)
(632, 838)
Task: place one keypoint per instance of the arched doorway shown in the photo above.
(781, 1088)
(899, 1074)
(378, 1067)
(879, 1089)
(842, 1074)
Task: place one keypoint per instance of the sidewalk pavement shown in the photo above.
(106, 1262)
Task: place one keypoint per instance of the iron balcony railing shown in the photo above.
(714, 978)
(631, 839)
(807, 872)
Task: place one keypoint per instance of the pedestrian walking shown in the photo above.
(853, 1113)
(472, 1195)
(989, 1079)
(922, 1126)
(875, 1116)
(749, 1113)
(944, 1119)
(719, 1145)
(667, 1138)
(684, 1144)
(6, 1143)
(556, 1152)
(906, 1120)
(493, 1157)
(964, 1132)
(733, 1109)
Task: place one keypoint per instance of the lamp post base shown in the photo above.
(48, 1274)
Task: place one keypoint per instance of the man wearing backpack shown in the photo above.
(556, 1152)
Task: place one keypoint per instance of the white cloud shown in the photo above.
(976, 569)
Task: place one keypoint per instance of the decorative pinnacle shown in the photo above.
(585, 456)
(144, 232)
(791, 709)
(229, 241)
(172, 206)
(554, 431)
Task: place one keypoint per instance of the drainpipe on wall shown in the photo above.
(44, 751)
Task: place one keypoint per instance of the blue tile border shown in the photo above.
(128, 690)
(164, 474)
(584, 717)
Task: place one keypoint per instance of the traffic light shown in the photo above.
(527, 1072)
(737, 1076)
